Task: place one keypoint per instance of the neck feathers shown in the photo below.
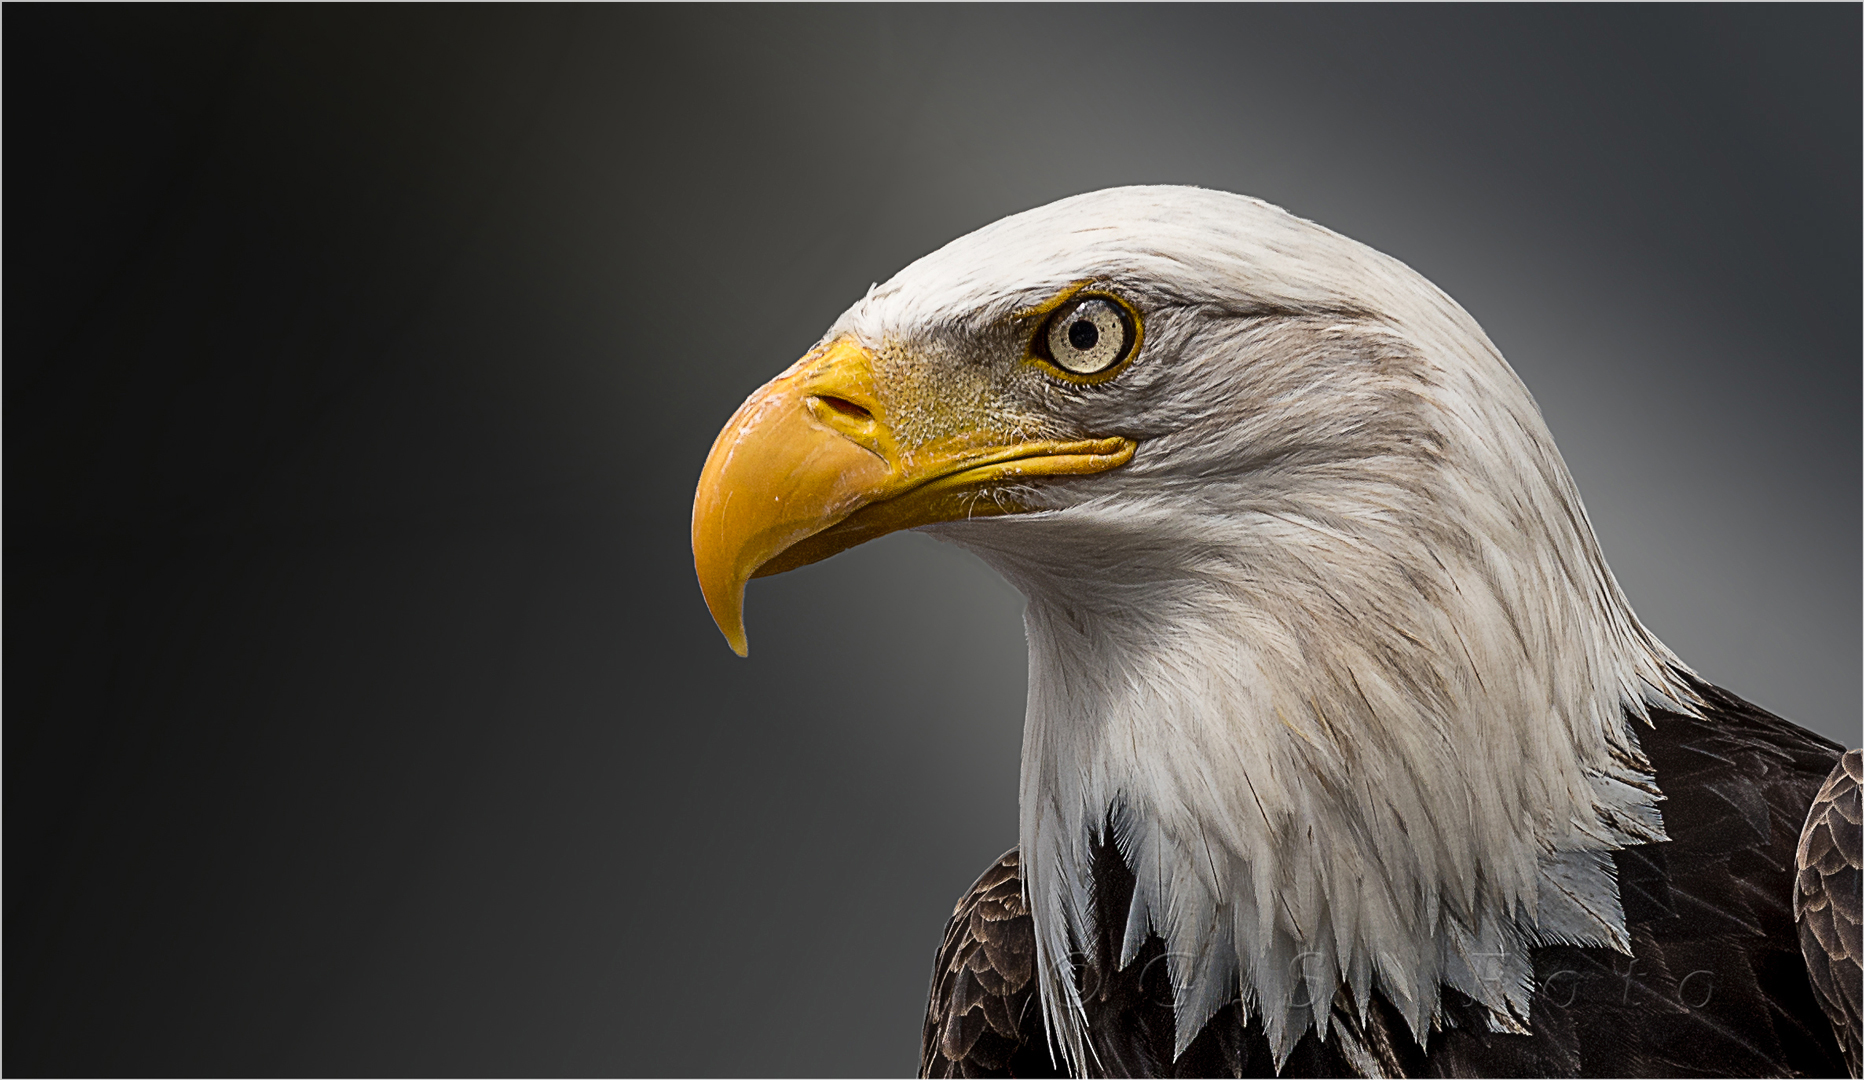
(1371, 730)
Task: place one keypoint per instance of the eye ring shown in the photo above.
(1087, 338)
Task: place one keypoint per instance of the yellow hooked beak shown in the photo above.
(810, 466)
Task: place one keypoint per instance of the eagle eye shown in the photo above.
(1090, 336)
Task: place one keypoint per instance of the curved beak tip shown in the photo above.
(730, 621)
(734, 636)
(724, 598)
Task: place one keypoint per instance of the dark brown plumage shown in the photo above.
(1826, 901)
(983, 1018)
(1716, 986)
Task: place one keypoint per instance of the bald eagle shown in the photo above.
(1344, 752)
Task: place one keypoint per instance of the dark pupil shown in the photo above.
(1082, 335)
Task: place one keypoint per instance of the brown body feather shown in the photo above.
(1826, 901)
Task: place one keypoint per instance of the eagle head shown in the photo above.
(1318, 629)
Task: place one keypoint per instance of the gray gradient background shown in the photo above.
(362, 713)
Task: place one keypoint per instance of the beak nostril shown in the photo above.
(845, 407)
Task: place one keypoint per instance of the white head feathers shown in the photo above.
(1337, 651)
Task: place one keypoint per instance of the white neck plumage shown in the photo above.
(1344, 747)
